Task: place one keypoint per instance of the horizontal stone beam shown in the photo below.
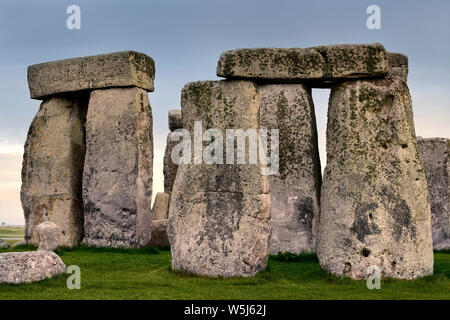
(118, 69)
(322, 65)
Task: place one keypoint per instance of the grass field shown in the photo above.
(11, 234)
(145, 274)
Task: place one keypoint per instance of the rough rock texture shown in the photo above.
(219, 215)
(161, 206)
(118, 69)
(50, 236)
(31, 266)
(295, 190)
(324, 63)
(117, 180)
(4, 244)
(159, 236)
(375, 207)
(435, 156)
(175, 120)
(53, 167)
(169, 167)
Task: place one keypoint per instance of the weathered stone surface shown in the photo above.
(117, 178)
(169, 167)
(159, 236)
(161, 206)
(31, 266)
(219, 214)
(50, 236)
(175, 120)
(435, 156)
(118, 69)
(324, 63)
(52, 169)
(375, 207)
(295, 190)
(4, 244)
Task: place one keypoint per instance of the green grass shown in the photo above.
(145, 274)
(9, 234)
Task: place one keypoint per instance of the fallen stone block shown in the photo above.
(375, 208)
(321, 65)
(161, 206)
(52, 169)
(31, 266)
(159, 236)
(4, 244)
(435, 156)
(295, 189)
(219, 214)
(117, 177)
(118, 69)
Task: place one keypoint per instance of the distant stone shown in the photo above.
(159, 236)
(31, 266)
(118, 69)
(375, 208)
(323, 63)
(435, 156)
(22, 242)
(50, 236)
(118, 169)
(161, 206)
(4, 244)
(52, 169)
(219, 214)
(175, 120)
(295, 189)
(169, 167)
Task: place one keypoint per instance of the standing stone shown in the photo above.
(50, 236)
(375, 208)
(31, 266)
(295, 190)
(175, 120)
(170, 168)
(219, 215)
(435, 156)
(159, 237)
(117, 178)
(161, 206)
(52, 169)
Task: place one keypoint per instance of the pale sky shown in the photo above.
(186, 38)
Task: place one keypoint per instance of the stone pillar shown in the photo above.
(53, 167)
(170, 168)
(375, 208)
(295, 189)
(219, 215)
(117, 178)
(435, 156)
(54, 156)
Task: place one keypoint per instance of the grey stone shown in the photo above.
(375, 208)
(435, 156)
(159, 236)
(31, 266)
(219, 214)
(295, 190)
(50, 236)
(4, 244)
(117, 178)
(323, 63)
(52, 169)
(118, 69)
(20, 243)
(175, 120)
(161, 206)
(169, 167)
